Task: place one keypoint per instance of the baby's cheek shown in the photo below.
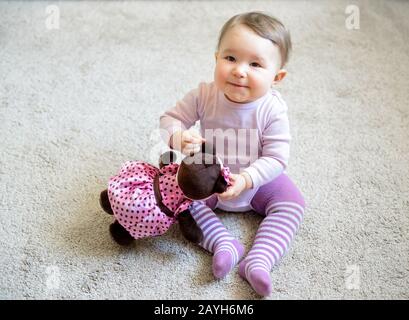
(225, 73)
(220, 74)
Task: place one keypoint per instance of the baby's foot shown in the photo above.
(226, 255)
(257, 274)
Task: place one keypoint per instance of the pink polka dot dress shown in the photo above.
(133, 201)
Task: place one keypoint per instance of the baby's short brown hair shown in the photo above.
(265, 26)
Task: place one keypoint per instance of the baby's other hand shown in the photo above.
(237, 187)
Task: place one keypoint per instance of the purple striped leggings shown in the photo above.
(280, 202)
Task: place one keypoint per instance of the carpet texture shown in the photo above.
(78, 100)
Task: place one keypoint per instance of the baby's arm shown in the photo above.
(175, 122)
(275, 151)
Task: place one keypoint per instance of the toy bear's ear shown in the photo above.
(167, 158)
(220, 185)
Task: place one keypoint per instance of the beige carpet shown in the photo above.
(79, 100)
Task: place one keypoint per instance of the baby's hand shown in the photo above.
(238, 186)
(187, 141)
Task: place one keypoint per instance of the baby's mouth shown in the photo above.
(237, 85)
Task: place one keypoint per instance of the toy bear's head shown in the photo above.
(200, 175)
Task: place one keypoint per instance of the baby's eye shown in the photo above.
(255, 64)
(230, 58)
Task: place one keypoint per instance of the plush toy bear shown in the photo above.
(146, 200)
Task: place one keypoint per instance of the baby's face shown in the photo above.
(246, 65)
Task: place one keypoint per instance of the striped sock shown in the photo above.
(272, 241)
(226, 250)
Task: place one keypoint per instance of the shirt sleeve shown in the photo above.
(180, 117)
(275, 150)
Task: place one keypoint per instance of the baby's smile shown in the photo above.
(238, 86)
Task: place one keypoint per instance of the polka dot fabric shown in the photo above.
(133, 200)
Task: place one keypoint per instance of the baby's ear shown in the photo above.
(279, 76)
(220, 185)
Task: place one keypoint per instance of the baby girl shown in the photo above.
(242, 109)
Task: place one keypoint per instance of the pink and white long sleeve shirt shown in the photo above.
(252, 137)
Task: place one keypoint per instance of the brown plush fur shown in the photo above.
(199, 177)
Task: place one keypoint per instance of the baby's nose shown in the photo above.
(240, 71)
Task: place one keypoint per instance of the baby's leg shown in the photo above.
(226, 250)
(283, 205)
